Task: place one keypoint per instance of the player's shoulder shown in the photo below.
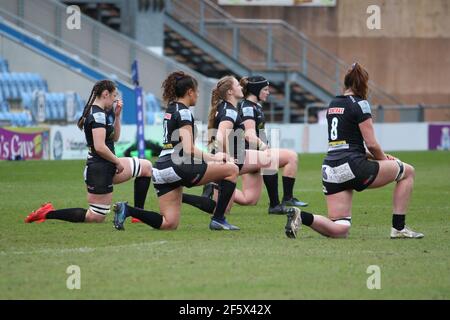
(183, 112)
(227, 111)
(361, 104)
(248, 109)
(97, 115)
(350, 102)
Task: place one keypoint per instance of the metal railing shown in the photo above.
(269, 45)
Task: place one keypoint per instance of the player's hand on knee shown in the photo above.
(390, 157)
(221, 157)
(119, 168)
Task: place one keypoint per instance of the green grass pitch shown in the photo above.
(258, 262)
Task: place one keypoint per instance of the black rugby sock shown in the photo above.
(398, 221)
(141, 185)
(288, 187)
(203, 203)
(226, 190)
(271, 182)
(70, 215)
(307, 218)
(150, 218)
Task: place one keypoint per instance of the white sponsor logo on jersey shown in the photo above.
(186, 115)
(365, 106)
(248, 112)
(99, 117)
(231, 114)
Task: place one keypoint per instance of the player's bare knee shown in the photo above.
(94, 217)
(341, 228)
(410, 171)
(250, 201)
(340, 233)
(233, 172)
(293, 158)
(170, 225)
(97, 212)
(146, 166)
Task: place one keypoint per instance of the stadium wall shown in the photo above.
(406, 56)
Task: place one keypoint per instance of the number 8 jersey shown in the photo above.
(344, 115)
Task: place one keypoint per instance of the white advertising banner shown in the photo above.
(391, 136)
(290, 136)
(311, 3)
(68, 142)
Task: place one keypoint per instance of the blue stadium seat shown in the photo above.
(15, 119)
(27, 100)
(150, 117)
(60, 98)
(4, 106)
(10, 80)
(4, 65)
(30, 82)
(48, 113)
(25, 119)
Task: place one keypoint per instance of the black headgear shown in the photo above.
(255, 84)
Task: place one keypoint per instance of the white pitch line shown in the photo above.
(82, 249)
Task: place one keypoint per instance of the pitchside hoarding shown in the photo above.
(439, 136)
(68, 142)
(24, 143)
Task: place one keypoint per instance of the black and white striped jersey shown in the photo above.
(99, 118)
(344, 115)
(227, 112)
(176, 116)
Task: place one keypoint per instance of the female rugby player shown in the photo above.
(101, 125)
(181, 163)
(348, 166)
(228, 133)
(256, 89)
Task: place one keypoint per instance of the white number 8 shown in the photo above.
(333, 131)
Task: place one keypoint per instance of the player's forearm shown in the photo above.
(253, 140)
(376, 151)
(199, 154)
(105, 153)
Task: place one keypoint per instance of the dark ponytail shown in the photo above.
(176, 86)
(96, 92)
(357, 80)
(244, 84)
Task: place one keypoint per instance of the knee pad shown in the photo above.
(401, 170)
(135, 166)
(101, 209)
(346, 221)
